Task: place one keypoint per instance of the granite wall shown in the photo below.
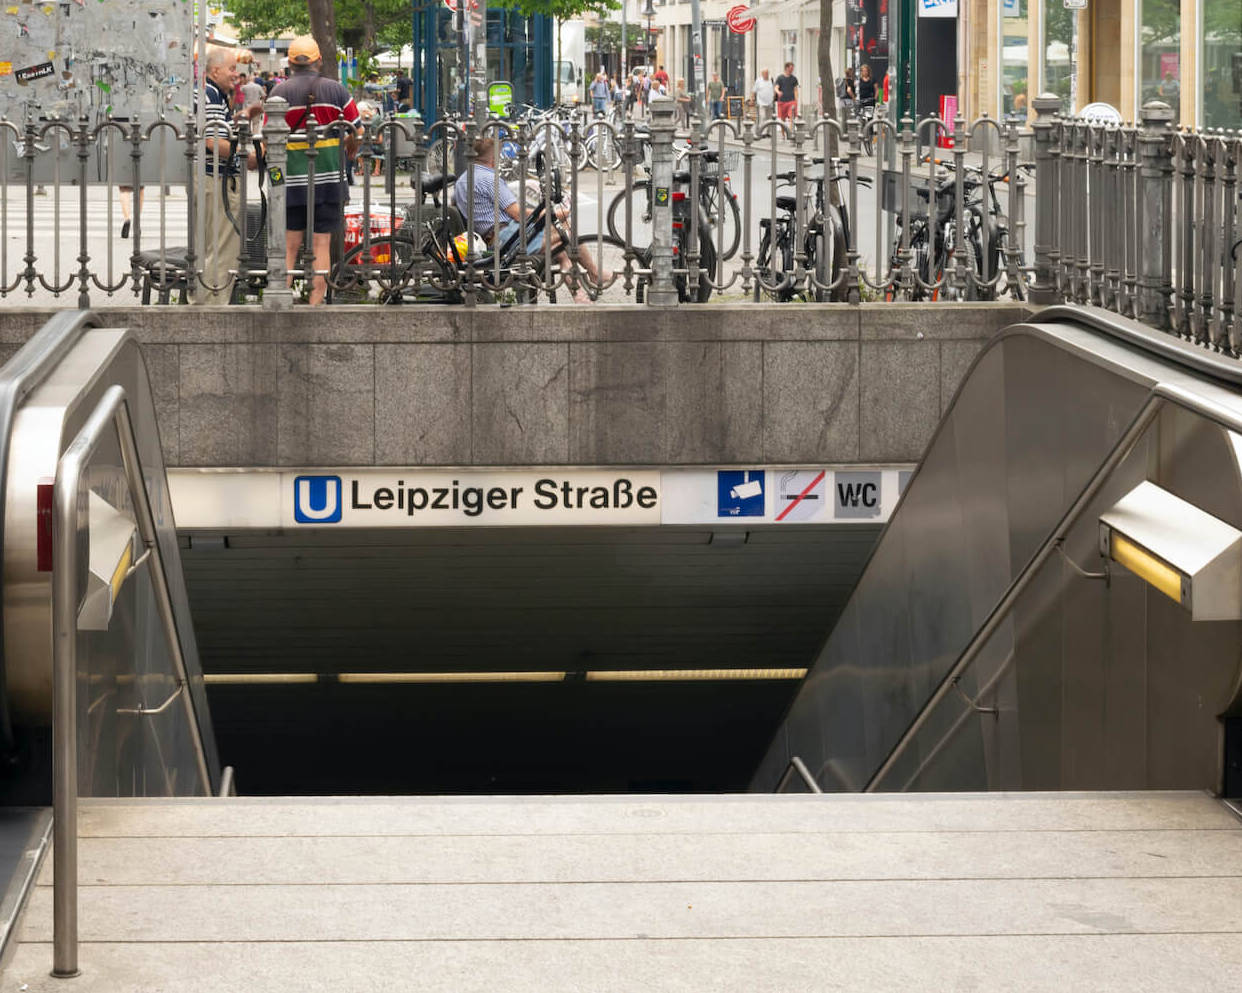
(707, 385)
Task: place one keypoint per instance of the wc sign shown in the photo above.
(317, 499)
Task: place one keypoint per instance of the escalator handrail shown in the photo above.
(1162, 344)
(21, 375)
(1159, 396)
(112, 410)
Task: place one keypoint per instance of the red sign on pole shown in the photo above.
(738, 19)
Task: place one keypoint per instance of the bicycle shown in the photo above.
(933, 247)
(715, 195)
(825, 244)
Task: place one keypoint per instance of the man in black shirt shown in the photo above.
(787, 94)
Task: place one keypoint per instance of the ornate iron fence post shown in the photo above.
(83, 141)
(277, 294)
(1047, 197)
(1155, 248)
(663, 289)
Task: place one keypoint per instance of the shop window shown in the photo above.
(1220, 54)
(789, 48)
(1161, 69)
(1014, 57)
(1060, 40)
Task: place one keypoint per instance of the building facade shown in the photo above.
(990, 55)
(1187, 53)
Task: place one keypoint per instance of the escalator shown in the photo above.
(998, 639)
(101, 692)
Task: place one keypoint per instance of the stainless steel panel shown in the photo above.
(1088, 685)
(127, 665)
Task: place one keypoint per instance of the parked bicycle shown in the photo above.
(824, 238)
(934, 250)
(716, 196)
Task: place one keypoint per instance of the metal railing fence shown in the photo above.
(1140, 219)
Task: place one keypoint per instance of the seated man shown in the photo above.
(493, 200)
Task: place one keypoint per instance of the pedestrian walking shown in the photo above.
(683, 104)
(787, 92)
(600, 92)
(764, 94)
(715, 94)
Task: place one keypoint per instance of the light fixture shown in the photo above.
(1187, 554)
(591, 676)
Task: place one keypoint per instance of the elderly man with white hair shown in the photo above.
(222, 199)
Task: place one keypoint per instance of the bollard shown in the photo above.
(1047, 197)
(663, 291)
(1155, 263)
(277, 295)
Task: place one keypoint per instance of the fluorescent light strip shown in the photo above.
(239, 678)
(593, 676)
(688, 675)
(450, 677)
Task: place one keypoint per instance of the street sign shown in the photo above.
(739, 20)
(499, 98)
(1075, 4)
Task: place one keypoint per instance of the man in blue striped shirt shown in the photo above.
(220, 223)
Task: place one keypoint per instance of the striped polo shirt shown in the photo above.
(326, 101)
(216, 125)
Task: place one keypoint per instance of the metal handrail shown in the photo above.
(797, 765)
(1160, 395)
(112, 410)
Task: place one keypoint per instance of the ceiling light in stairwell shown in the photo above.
(541, 676)
(1190, 556)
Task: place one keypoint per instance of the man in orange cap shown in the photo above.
(328, 104)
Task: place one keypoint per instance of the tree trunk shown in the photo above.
(828, 89)
(323, 28)
(827, 81)
(368, 28)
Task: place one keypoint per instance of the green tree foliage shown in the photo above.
(365, 25)
(563, 9)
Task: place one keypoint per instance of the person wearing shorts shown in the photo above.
(322, 210)
(787, 94)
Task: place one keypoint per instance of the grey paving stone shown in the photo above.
(520, 404)
(810, 402)
(422, 408)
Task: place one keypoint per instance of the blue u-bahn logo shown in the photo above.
(317, 499)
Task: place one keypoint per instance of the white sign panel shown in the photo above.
(937, 8)
(221, 499)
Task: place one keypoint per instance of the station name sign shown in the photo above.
(413, 497)
(404, 499)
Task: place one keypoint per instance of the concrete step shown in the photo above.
(1129, 891)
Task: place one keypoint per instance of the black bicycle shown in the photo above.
(825, 242)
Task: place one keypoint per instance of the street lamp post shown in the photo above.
(649, 13)
(625, 61)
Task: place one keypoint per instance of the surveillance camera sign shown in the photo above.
(739, 493)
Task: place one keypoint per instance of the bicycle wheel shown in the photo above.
(442, 155)
(828, 246)
(707, 266)
(607, 255)
(720, 202)
(392, 265)
(640, 222)
(603, 153)
(775, 271)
